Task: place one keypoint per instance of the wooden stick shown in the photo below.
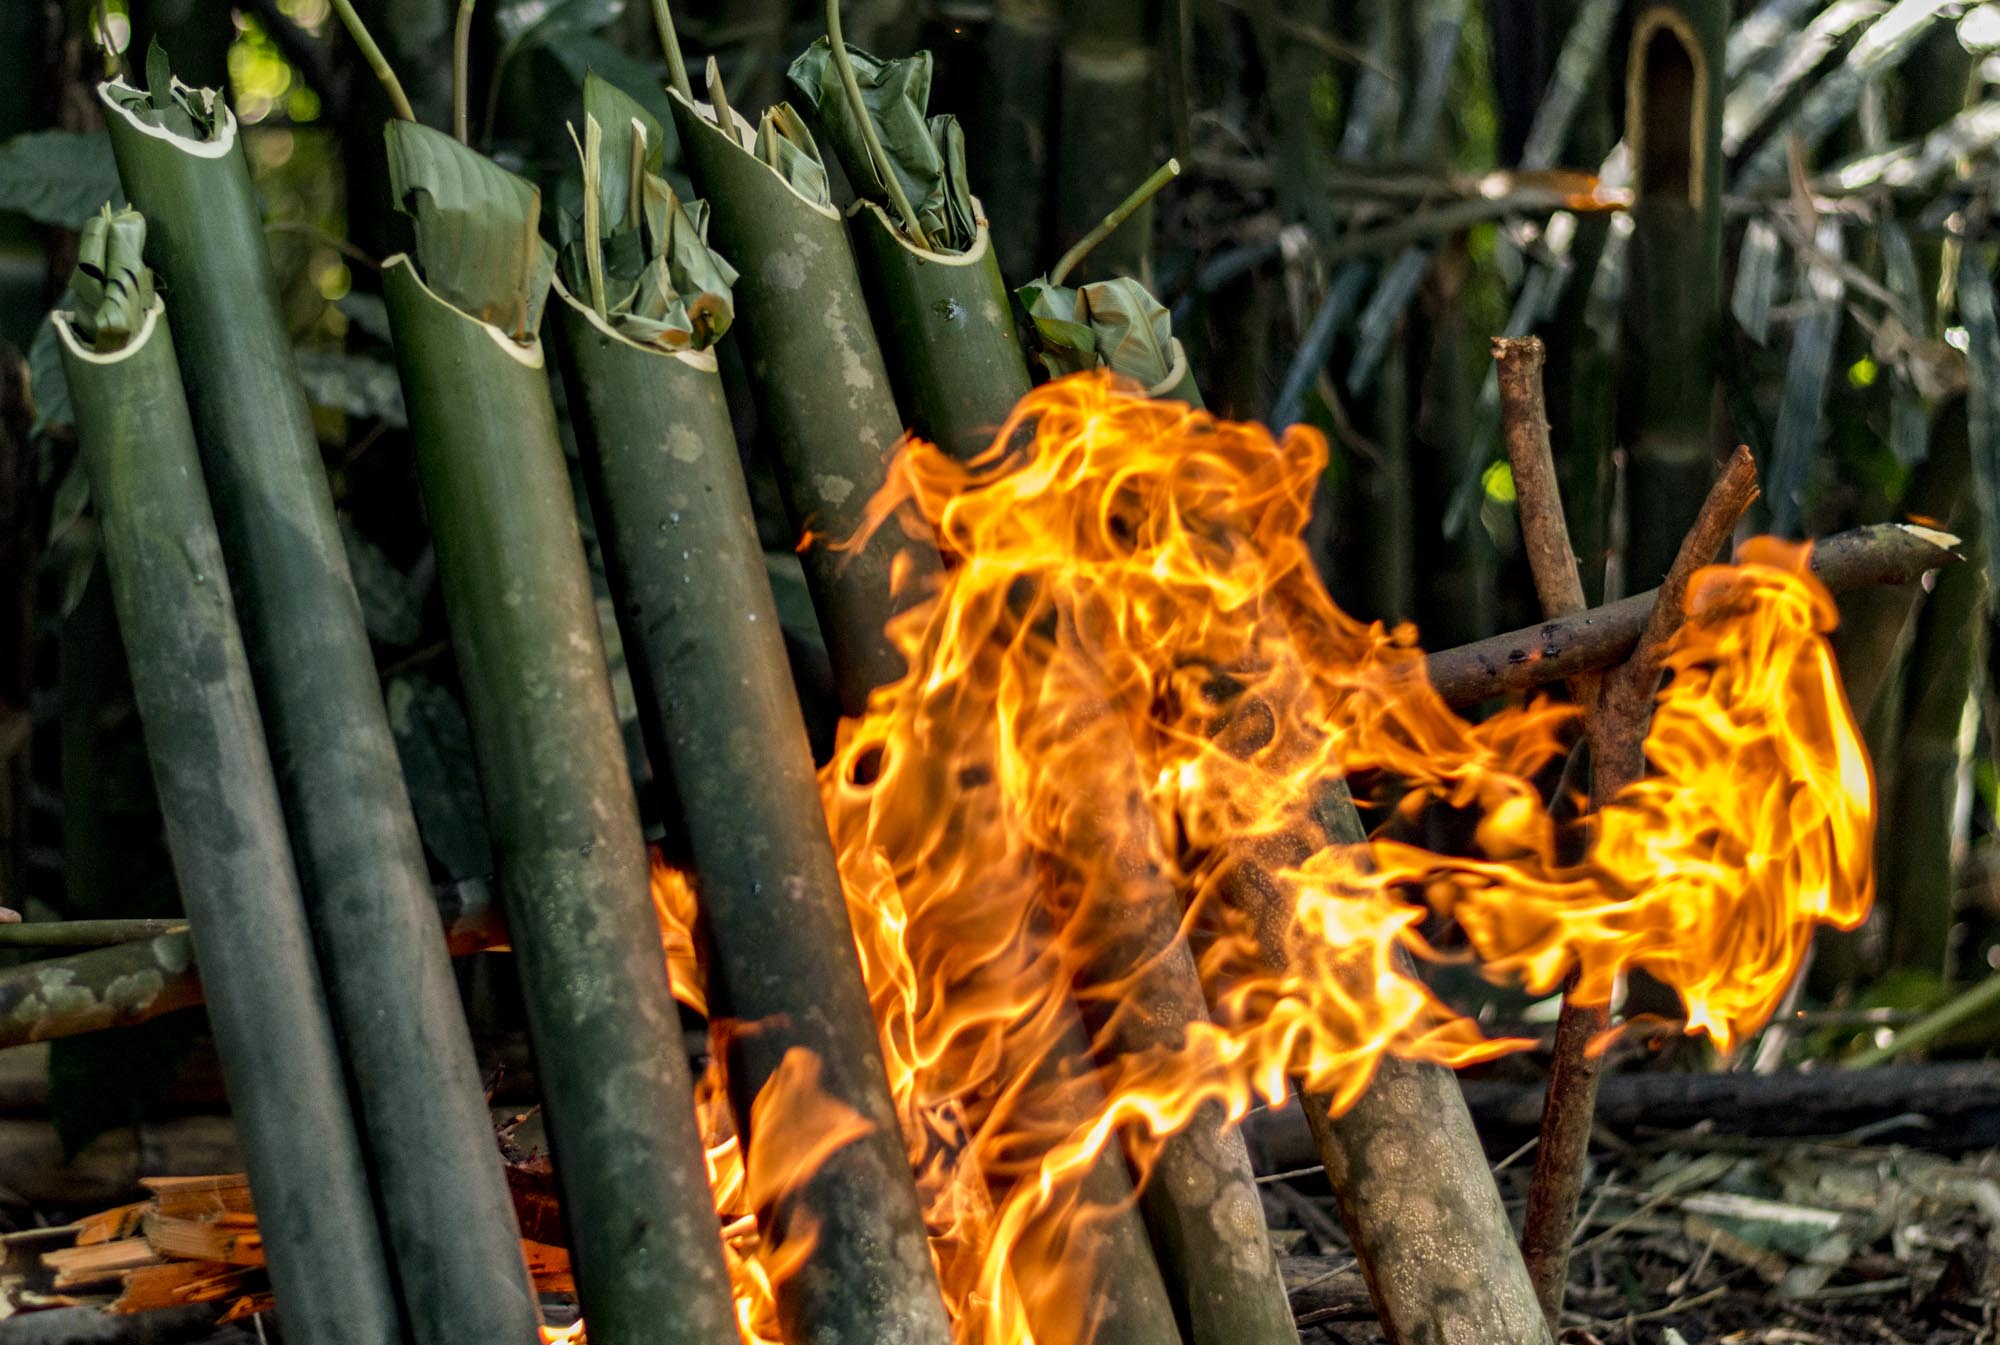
(1617, 727)
(1522, 660)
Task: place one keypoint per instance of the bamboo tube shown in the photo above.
(389, 981)
(1107, 123)
(833, 441)
(947, 332)
(572, 862)
(818, 375)
(226, 830)
(696, 609)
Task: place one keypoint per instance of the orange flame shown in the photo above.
(1129, 722)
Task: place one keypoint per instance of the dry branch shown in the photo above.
(1522, 660)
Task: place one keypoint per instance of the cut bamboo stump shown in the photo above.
(389, 981)
(573, 870)
(226, 829)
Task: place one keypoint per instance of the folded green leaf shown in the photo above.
(477, 226)
(112, 283)
(787, 148)
(926, 154)
(1113, 324)
(165, 102)
(639, 254)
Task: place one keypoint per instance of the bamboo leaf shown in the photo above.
(787, 147)
(58, 178)
(477, 239)
(638, 253)
(1116, 324)
(435, 746)
(1756, 280)
(112, 283)
(47, 388)
(927, 155)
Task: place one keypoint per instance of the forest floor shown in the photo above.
(1693, 1238)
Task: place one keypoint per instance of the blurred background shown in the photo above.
(1769, 224)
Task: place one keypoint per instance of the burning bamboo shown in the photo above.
(925, 255)
(225, 825)
(773, 216)
(422, 1112)
(687, 573)
(573, 865)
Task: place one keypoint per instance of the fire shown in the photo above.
(1120, 755)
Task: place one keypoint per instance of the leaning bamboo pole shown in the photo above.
(833, 447)
(572, 862)
(947, 332)
(389, 981)
(800, 314)
(225, 827)
(687, 574)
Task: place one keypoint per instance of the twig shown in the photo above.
(670, 43)
(837, 47)
(85, 933)
(461, 69)
(377, 62)
(1112, 222)
(1547, 1233)
(1981, 999)
(1628, 690)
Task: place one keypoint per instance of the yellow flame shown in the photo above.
(1130, 700)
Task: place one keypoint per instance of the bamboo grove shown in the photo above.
(660, 544)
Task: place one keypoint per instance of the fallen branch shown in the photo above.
(1522, 660)
(130, 983)
(1954, 1106)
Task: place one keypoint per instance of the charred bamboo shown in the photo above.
(389, 981)
(226, 829)
(720, 715)
(573, 870)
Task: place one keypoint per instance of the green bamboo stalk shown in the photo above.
(572, 862)
(1007, 135)
(1672, 315)
(947, 332)
(445, 1204)
(226, 829)
(86, 933)
(135, 982)
(687, 572)
(819, 380)
(1106, 127)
